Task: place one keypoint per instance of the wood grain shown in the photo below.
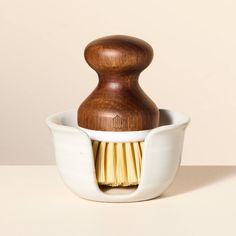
(118, 103)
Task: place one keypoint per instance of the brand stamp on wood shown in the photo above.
(119, 123)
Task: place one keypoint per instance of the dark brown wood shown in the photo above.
(118, 103)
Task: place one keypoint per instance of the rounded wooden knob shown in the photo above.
(118, 54)
(118, 103)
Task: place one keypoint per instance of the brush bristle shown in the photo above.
(118, 164)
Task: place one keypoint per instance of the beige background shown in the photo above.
(42, 70)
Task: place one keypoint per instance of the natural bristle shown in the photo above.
(118, 164)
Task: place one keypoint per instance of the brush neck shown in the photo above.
(119, 81)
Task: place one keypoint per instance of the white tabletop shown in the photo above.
(34, 201)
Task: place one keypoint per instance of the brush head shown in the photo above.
(118, 103)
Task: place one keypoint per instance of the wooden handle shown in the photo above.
(118, 103)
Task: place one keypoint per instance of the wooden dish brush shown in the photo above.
(117, 115)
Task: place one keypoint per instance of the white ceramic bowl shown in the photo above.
(160, 162)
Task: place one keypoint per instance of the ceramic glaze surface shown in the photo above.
(160, 162)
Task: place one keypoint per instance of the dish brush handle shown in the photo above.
(118, 103)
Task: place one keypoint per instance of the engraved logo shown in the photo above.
(119, 123)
